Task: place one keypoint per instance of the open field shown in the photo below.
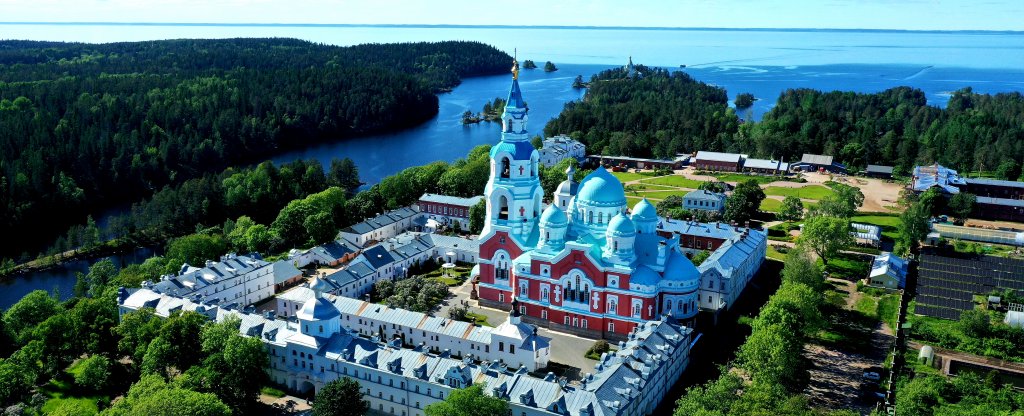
(676, 181)
(805, 192)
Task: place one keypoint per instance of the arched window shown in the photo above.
(679, 305)
(506, 167)
(600, 218)
(590, 217)
(502, 207)
(615, 245)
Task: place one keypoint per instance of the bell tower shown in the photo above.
(513, 190)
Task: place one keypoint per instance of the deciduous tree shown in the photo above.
(826, 236)
(470, 401)
(341, 397)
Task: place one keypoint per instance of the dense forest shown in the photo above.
(656, 115)
(85, 126)
(665, 113)
(895, 127)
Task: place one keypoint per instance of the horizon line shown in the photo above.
(559, 27)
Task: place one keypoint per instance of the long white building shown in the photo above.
(235, 279)
(318, 348)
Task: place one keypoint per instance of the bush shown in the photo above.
(599, 347)
(94, 373)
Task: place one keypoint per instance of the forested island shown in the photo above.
(490, 112)
(662, 114)
(87, 126)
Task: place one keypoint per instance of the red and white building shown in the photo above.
(585, 264)
(444, 210)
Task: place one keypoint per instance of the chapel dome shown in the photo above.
(644, 211)
(679, 268)
(643, 275)
(600, 188)
(621, 226)
(318, 309)
(553, 217)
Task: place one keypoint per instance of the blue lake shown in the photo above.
(764, 63)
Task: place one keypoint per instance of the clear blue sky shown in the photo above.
(847, 14)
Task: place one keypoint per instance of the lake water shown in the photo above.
(764, 63)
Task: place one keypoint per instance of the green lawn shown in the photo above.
(738, 177)
(771, 205)
(479, 319)
(867, 305)
(847, 266)
(63, 391)
(675, 180)
(774, 253)
(888, 223)
(272, 391)
(806, 192)
(632, 201)
(631, 176)
(661, 194)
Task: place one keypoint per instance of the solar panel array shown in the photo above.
(946, 285)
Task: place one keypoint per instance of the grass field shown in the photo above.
(631, 176)
(888, 223)
(660, 194)
(272, 391)
(62, 392)
(847, 266)
(480, 319)
(633, 200)
(737, 177)
(676, 181)
(771, 205)
(774, 253)
(807, 192)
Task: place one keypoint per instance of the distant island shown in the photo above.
(550, 67)
(528, 64)
(491, 112)
(744, 100)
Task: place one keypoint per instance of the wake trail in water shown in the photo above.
(920, 72)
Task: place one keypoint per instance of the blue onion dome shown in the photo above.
(621, 226)
(643, 275)
(679, 268)
(602, 189)
(553, 217)
(520, 150)
(644, 211)
(319, 285)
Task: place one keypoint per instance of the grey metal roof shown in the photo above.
(704, 195)
(995, 182)
(284, 270)
(816, 159)
(378, 257)
(719, 156)
(1006, 202)
(451, 200)
(360, 269)
(764, 164)
(879, 169)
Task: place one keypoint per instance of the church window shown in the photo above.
(590, 217)
(544, 314)
(611, 327)
(584, 323)
(685, 309)
(547, 235)
(636, 308)
(600, 218)
(615, 245)
(505, 167)
(679, 305)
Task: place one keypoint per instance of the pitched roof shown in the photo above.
(879, 169)
(284, 270)
(816, 159)
(719, 156)
(378, 257)
(765, 164)
(995, 182)
(451, 200)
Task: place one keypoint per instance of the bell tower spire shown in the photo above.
(513, 191)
